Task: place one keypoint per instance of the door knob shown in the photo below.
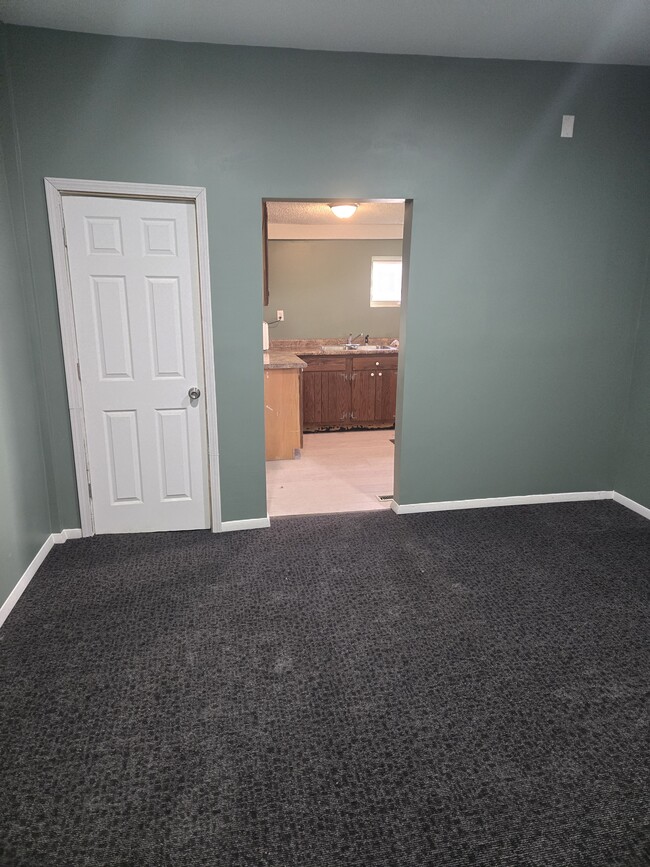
(194, 393)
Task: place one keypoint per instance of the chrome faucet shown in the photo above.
(351, 339)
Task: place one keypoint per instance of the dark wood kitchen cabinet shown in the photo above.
(326, 398)
(386, 399)
(374, 389)
(363, 395)
(349, 391)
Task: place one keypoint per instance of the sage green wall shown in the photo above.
(633, 465)
(527, 250)
(24, 503)
(324, 289)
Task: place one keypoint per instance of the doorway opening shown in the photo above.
(334, 301)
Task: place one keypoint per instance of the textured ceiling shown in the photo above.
(319, 214)
(593, 31)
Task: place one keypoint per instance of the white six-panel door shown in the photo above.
(135, 288)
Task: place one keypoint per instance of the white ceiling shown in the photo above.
(594, 31)
(314, 220)
(319, 214)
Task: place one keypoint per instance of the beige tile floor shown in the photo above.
(337, 472)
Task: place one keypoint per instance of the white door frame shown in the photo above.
(55, 189)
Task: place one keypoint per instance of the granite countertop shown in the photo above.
(281, 360)
(321, 346)
(320, 351)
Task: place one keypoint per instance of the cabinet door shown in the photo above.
(363, 395)
(326, 397)
(386, 395)
(335, 400)
(282, 413)
(311, 392)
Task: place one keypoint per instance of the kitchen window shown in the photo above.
(386, 281)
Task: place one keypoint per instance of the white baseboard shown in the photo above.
(64, 535)
(32, 569)
(631, 504)
(247, 524)
(492, 502)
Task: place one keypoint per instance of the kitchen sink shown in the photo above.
(381, 348)
(360, 347)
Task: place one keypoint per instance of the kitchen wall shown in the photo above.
(633, 469)
(24, 502)
(527, 255)
(324, 289)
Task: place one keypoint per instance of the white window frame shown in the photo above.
(373, 302)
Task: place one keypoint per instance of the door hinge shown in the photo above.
(65, 237)
(90, 491)
(78, 371)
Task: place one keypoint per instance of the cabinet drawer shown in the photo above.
(325, 362)
(374, 362)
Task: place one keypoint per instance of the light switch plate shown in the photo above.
(280, 316)
(567, 125)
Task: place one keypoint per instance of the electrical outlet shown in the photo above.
(280, 316)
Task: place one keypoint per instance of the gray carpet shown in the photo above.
(460, 688)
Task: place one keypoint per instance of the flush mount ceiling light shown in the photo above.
(343, 211)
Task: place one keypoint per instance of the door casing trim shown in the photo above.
(55, 189)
